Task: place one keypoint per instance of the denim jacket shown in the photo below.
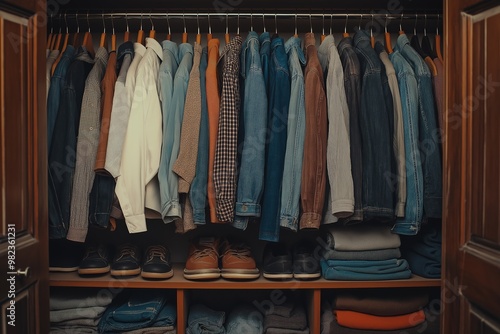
(429, 134)
(253, 118)
(376, 134)
(290, 187)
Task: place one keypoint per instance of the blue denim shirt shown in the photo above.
(253, 119)
(265, 53)
(279, 98)
(292, 171)
(57, 83)
(429, 134)
(376, 135)
(408, 91)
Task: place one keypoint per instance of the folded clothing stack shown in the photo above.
(363, 252)
(77, 311)
(371, 311)
(139, 311)
(203, 319)
(245, 319)
(288, 318)
(423, 251)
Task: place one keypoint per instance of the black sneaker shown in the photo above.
(277, 261)
(95, 261)
(157, 263)
(126, 261)
(65, 255)
(305, 264)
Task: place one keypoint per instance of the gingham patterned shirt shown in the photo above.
(227, 136)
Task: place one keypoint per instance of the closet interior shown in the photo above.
(106, 23)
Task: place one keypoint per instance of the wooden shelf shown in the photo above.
(179, 282)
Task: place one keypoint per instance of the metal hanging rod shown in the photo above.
(190, 15)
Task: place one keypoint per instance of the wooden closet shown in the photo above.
(470, 284)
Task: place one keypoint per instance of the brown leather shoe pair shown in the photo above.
(203, 260)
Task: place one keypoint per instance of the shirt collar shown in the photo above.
(402, 41)
(124, 49)
(309, 40)
(139, 49)
(152, 43)
(295, 43)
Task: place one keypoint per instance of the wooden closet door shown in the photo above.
(23, 159)
(471, 286)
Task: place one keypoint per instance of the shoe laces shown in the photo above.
(127, 250)
(204, 252)
(240, 251)
(156, 251)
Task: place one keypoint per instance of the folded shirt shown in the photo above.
(284, 310)
(358, 320)
(427, 327)
(423, 266)
(361, 237)
(203, 319)
(296, 321)
(379, 254)
(77, 313)
(387, 302)
(63, 299)
(372, 273)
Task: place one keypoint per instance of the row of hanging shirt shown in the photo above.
(297, 137)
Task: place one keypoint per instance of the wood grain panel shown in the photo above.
(482, 323)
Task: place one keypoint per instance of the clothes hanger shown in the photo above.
(198, 35)
(65, 44)
(311, 22)
(296, 35)
(238, 24)
(140, 34)
(76, 36)
(426, 43)
(113, 36)
(226, 35)
(437, 41)
(49, 38)
(276, 23)
(323, 29)
(331, 24)
(415, 43)
(387, 38)
(263, 22)
(152, 32)
(87, 40)
(372, 38)
(184, 34)
(126, 35)
(346, 34)
(169, 35)
(251, 21)
(209, 35)
(57, 44)
(401, 31)
(103, 43)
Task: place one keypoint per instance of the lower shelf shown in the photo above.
(179, 282)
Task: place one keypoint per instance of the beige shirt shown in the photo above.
(137, 185)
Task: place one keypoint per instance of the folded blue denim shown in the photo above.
(379, 254)
(203, 320)
(423, 266)
(365, 270)
(245, 319)
(137, 310)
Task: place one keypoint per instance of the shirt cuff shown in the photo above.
(247, 209)
(310, 220)
(136, 223)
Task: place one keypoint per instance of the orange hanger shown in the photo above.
(65, 44)
(388, 45)
(152, 32)
(76, 36)
(198, 35)
(295, 34)
(49, 38)
(209, 35)
(126, 35)
(226, 35)
(103, 41)
(401, 31)
(169, 36)
(346, 34)
(184, 34)
(87, 40)
(140, 34)
(113, 36)
(372, 38)
(437, 41)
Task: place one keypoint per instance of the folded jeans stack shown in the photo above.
(204, 320)
(423, 252)
(288, 318)
(245, 319)
(375, 311)
(75, 311)
(139, 312)
(363, 252)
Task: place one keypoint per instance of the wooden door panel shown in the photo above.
(24, 313)
(482, 323)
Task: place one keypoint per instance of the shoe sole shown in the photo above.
(201, 274)
(146, 274)
(240, 273)
(278, 276)
(93, 271)
(129, 272)
(63, 269)
(307, 276)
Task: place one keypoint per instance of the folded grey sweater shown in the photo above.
(361, 237)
